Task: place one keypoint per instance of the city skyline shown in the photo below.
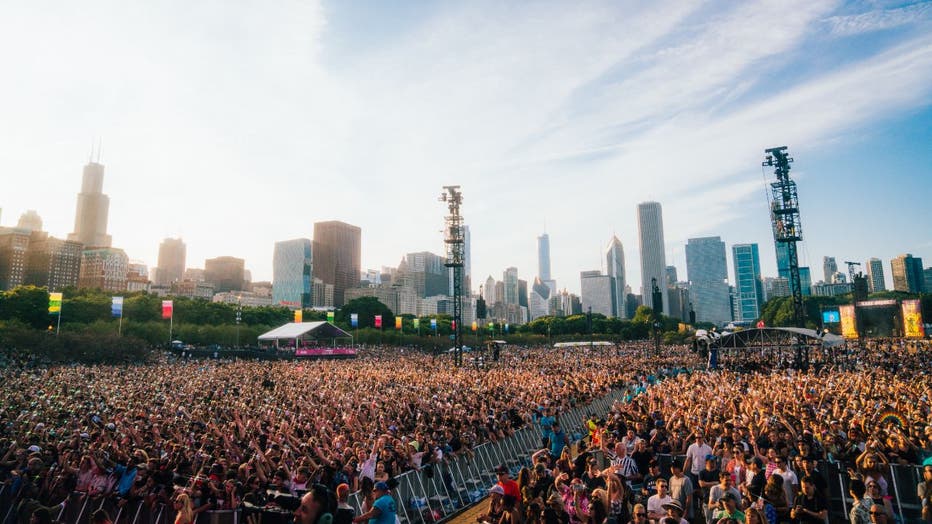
(195, 148)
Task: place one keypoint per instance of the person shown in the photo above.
(655, 502)
(873, 494)
(383, 509)
(728, 509)
(708, 478)
(558, 440)
(344, 513)
(649, 486)
(314, 507)
(696, 455)
(638, 514)
(495, 509)
(775, 496)
(681, 489)
(675, 511)
(100, 516)
(861, 507)
(790, 481)
(756, 516)
(184, 510)
(878, 515)
(924, 491)
(719, 490)
(754, 488)
(510, 487)
(809, 508)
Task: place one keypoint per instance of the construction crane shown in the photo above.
(851, 266)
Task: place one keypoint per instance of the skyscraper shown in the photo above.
(14, 249)
(90, 220)
(875, 279)
(907, 274)
(225, 273)
(596, 291)
(829, 268)
(783, 269)
(510, 278)
(337, 256)
(427, 274)
(30, 220)
(653, 258)
(172, 253)
(53, 263)
(707, 271)
(615, 266)
(292, 267)
(543, 257)
(103, 268)
(539, 300)
(489, 290)
(748, 285)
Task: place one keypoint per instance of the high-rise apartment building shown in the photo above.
(653, 257)
(615, 266)
(596, 291)
(292, 270)
(907, 274)
(172, 252)
(103, 268)
(749, 289)
(829, 268)
(337, 256)
(225, 273)
(707, 271)
(875, 279)
(90, 220)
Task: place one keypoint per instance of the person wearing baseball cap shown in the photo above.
(505, 481)
(675, 511)
(383, 508)
(728, 508)
(496, 507)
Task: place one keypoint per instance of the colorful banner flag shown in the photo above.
(506, 328)
(55, 303)
(116, 306)
(475, 326)
(912, 319)
(491, 326)
(298, 316)
(167, 309)
(453, 325)
(417, 323)
(330, 316)
(849, 325)
(378, 321)
(397, 322)
(433, 324)
(354, 319)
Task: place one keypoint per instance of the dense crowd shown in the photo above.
(299, 436)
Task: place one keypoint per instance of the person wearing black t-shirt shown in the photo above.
(810, 507)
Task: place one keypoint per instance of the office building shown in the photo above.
(653, 257)
(671, 277)
(225, 273)
(907, 274)
(707, 272)
(749, 288)
(615, 266)
(427, 274)
(783, 269)
(829, 268)
(488, 291)
(875, 278)
(337, 256)
(510, 290)
(539, 300)
(103, 268)
(30, 221)
(53, 263)
(292, 270)
(543, 257)
(90, 220)
(596, 292)
(927, 280)
(14, 252)
(171, 266)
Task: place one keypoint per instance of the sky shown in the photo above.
(236, 124)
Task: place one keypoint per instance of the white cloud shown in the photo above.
(879, 19)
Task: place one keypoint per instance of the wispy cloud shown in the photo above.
(879, 19)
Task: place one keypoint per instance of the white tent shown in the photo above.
(304, 331)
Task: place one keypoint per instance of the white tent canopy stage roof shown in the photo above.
(301, 330)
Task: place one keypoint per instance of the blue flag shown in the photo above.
(354, 319)
(116, 307)
(433, 324)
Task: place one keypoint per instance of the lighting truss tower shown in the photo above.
(787, 230)
(455, 241)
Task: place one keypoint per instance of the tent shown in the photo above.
(310, 339)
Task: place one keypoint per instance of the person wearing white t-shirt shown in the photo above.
(790, 481)
(695, 456)
(655, 502)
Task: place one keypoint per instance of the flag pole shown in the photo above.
(58, 325)
(120, 328)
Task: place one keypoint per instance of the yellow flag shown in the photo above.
(298, 316)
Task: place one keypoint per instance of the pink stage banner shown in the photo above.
(324, 352)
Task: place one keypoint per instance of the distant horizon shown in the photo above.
(236, 125)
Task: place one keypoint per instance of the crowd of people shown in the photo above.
(298, 437)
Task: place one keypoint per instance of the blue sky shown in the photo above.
(237, 124)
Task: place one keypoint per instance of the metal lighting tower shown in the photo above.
(455, 240)
(787, 230)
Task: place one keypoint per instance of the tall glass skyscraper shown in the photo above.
(615, 266)
(707, 272)
(749, 288)
(653, 257)
(543, 257)
(337, 256)
(875, 275)
(783, 269)
(292, 267)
